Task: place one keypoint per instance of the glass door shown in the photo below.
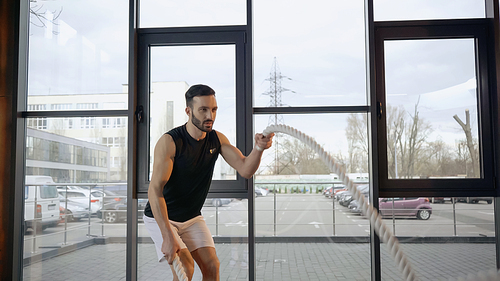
(170, 61)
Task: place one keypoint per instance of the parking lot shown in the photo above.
(307, 215)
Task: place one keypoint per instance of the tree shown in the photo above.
(395, 133)
(417, 134)
(406, 142)
(40, 16)
(357, 143)
(470, 142)
(296, 157)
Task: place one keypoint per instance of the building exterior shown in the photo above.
(98, 144)
(66, 159)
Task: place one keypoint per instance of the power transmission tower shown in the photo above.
(274, 92)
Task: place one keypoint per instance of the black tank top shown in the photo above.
(187, 189)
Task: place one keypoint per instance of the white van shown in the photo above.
(41, 203)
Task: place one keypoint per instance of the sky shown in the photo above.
(318, 45)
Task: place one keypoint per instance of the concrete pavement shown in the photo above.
(275, 261)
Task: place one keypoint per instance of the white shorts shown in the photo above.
(192, 234)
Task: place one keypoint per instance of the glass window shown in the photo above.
(36, 107)
(415, 219)
(432, 109)
(158, 13)
(427, 9)
(106, 123)
(212, 65)
(309, 53)
(71, 60)
(61, 106)
(39, 123)
(78, 220)
(297, 195)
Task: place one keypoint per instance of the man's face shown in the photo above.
(203, 111)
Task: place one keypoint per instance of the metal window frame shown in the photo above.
(476, 29)
(19, 129)
(191, 36)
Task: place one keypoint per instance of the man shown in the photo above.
(184, 160)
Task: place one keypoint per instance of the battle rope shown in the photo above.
(375, 218)
(380, 227)
(179, 270)
(371, 213)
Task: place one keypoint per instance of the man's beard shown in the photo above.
(197, 122)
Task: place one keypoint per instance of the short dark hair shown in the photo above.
(198, 90)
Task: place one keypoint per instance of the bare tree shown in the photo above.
(357, 143)
(297, 157)
(395, 135)
(406, 142)
(41, 16)
(463, 159)
(412, 143)
(470, 141)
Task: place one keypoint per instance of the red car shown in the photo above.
(406, 207)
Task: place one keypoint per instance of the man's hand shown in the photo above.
(263, 142)
(170, 247)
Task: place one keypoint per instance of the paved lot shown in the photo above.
(275, 261)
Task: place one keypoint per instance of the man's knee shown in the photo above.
(211, 266)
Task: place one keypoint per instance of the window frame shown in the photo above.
(476, 29)
(193, 36)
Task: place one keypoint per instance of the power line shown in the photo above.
(275, 92)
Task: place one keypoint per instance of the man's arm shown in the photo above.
(162, 169)
(246, 166)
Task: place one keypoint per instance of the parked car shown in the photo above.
(330, 191)
(259, 191)
(474, 200)
(346, 197)
(82, 196)
(72, 187)
(441, 199)
(118, 189)
(217, 202)
(41, 203)
(107, 197)
(339, 193)
(115, 208)
(327, 191)
(74, 210)
(355, 207)
(406, 207)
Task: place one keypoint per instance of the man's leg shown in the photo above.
(187, 264)
(207, 260)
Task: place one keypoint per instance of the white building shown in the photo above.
(167, 103)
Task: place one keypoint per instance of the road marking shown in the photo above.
(315, 223)
(240, 223)
(485, 213)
